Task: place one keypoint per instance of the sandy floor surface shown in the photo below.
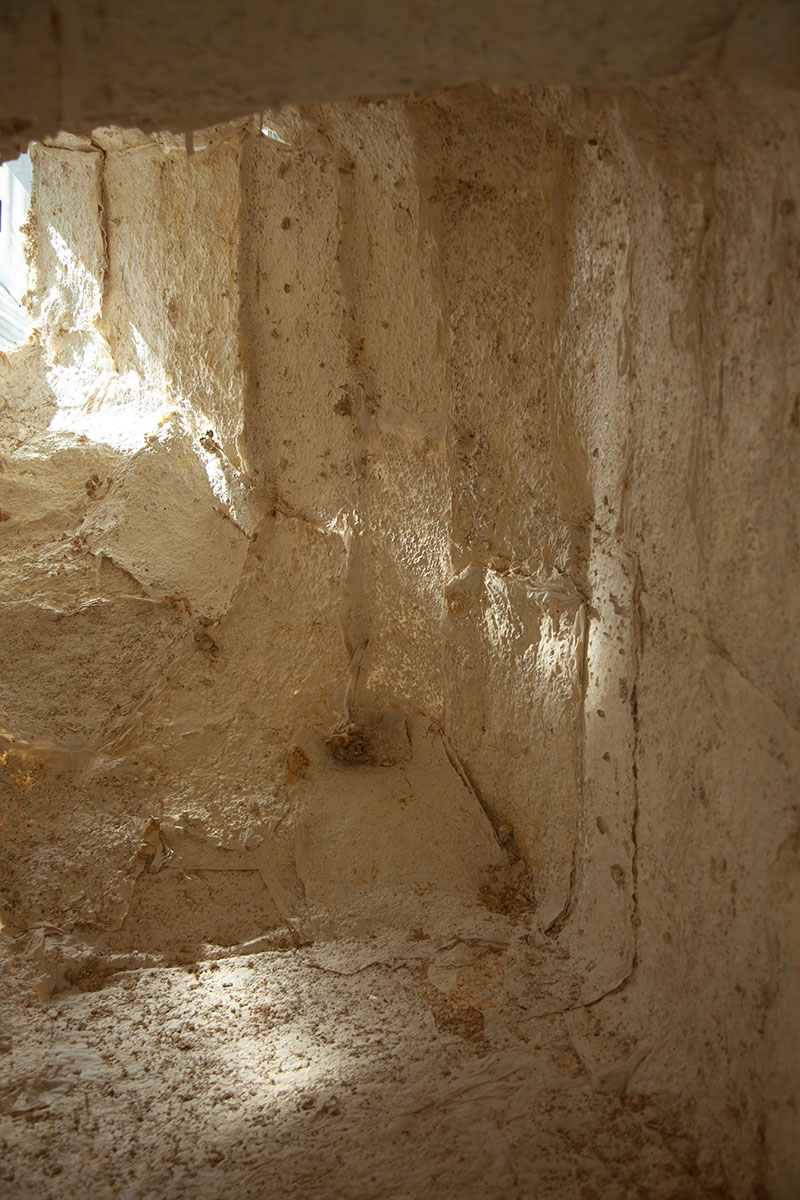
(354, 1069)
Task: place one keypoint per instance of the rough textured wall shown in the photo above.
(402, 389)
(77, 64)
(685, 300)
(460, 430)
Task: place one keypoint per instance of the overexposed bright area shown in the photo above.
(15, 195)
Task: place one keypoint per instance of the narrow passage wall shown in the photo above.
(475, 412)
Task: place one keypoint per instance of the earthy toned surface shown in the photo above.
(76, 64)
(400, 713)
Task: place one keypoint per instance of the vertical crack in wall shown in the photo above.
(104, 222)
(555, 926)
(355, 630)
(354, 636)
(248, 288)
(560, 454)
(637, 655)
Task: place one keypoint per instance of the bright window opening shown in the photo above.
(15, 195)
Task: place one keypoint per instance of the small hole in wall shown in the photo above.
(273, 135)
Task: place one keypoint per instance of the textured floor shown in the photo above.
(342, 1070)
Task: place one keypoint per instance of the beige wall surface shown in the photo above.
(478, 406)
(76, 64)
